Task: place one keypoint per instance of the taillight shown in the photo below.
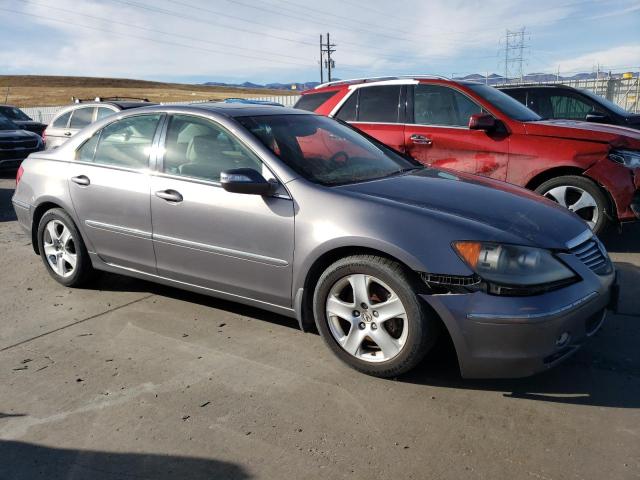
(19, 175)
(44, 137)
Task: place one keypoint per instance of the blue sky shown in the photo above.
(277, 40)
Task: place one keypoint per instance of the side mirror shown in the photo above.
(245, 180)
(597, 118)
(482, 121)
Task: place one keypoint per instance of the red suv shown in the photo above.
(592, 169)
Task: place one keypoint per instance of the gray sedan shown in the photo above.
(302, 215)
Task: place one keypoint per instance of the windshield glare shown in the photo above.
(325, 151)
(503, 102)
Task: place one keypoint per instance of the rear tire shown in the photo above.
(582, 196)
(385, 330)
(62, 249)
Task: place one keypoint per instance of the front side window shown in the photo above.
(62, 121)
(439, 105)
(199, 148)
(572, 107)
(325, 151)
(124, 143)
(379, 104)
(81, 117)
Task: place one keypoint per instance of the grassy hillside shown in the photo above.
(37, 90)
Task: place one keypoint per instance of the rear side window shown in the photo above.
(61, 121)
(379, 104)
(81, 117)
(127, 142)
(311, 101)
(439, 105)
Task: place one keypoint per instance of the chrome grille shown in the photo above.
(591, 253)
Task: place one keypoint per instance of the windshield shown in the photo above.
(607, 103)
(325, 151)
(13, 113)
(6, 124)
(503, 102)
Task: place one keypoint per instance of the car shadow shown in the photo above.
(29, 461)
(7, 214)
(626, 240)
(118, 283)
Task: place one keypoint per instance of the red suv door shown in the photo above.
(377, 111)
(437, 132)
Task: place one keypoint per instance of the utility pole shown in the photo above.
(321, 58)
(326, 48)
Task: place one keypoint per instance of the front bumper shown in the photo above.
(508, 337)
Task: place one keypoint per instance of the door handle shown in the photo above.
(420, 139)
(82, 180)
(169, 195)
(67, 134)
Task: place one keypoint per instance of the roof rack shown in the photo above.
(107, 99)
(352, 81)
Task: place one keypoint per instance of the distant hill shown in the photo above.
(492, 79)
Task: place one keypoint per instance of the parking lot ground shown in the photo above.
(132, 380)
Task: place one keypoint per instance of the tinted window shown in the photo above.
(325, 151)
(605, 102)
(127, 142)
(6, 124)
(570, 106)
(438, 105)
(13, 113)
(311, 101)
(503, 102)
(104, 112)
(379, 104)
(81, 117)
(348, 111)
(61, 121)
(197, 147)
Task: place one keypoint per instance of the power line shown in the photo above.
(165, 42)
(173, 34)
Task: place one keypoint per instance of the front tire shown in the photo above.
(367, 310)
(580, 195)
(62, 249)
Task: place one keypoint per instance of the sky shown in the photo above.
(194, 41)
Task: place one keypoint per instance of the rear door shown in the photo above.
(377, 110)
(109, 184)
(437, 133)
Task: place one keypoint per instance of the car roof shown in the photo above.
(534, 85)
(230, 109)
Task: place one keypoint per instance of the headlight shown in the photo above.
(628, 158)
(513, 266)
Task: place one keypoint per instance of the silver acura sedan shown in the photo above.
(302, 215)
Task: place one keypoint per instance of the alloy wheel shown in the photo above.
(578, 201)
(60, 248)
(367, 318)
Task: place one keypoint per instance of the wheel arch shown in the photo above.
(542, 177)
(38, 213)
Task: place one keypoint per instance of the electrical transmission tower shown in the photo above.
(514, 48)
(326, 49)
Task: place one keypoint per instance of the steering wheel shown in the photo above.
(340, 157)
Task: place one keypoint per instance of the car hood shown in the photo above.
(521, 214)
(615, 135)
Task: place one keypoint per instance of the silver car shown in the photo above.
(70, 120)
(302, 215)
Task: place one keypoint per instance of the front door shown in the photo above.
(437, 133)
(109, 184)
(203, 235)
